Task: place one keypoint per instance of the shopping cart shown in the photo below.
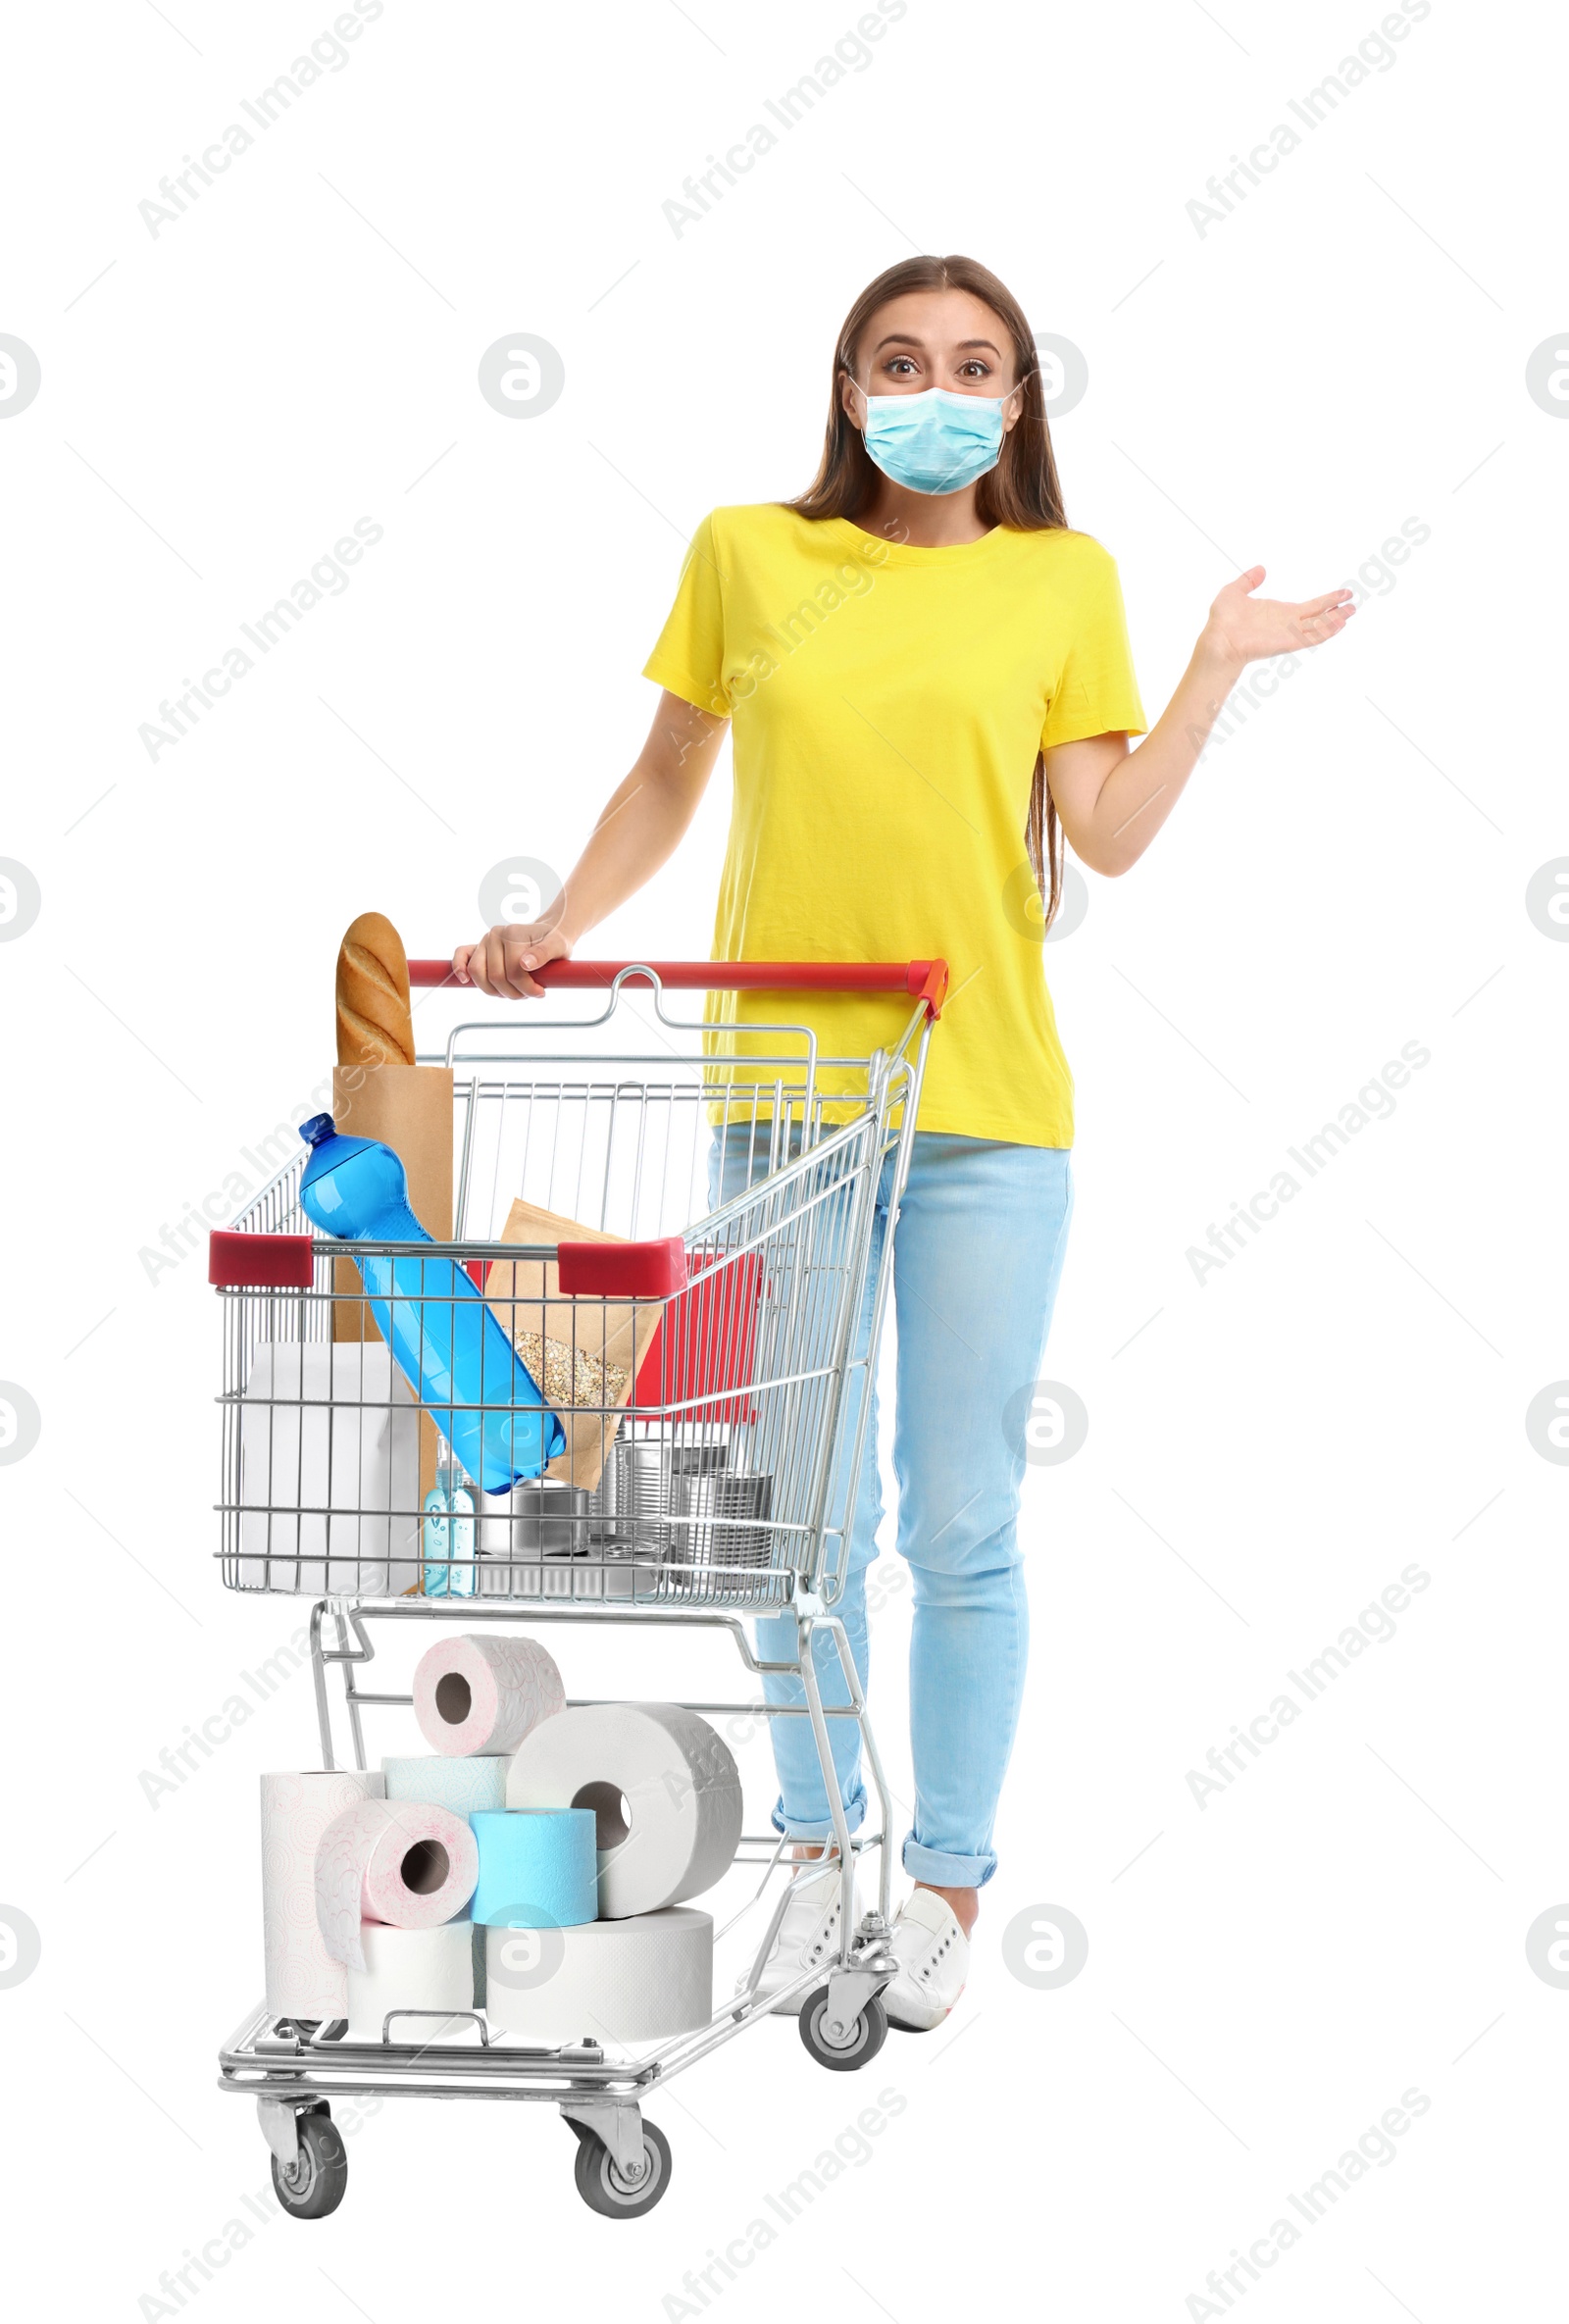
(698, 1332)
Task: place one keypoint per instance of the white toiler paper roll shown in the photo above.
(474, 1694)
(615, 1982)
(679, 1783)
(330, 1470)
(411, 1969)
(302, 1978)
(460, 1784)
(401, 1862)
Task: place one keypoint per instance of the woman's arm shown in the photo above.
(640, 826)
(1113, 800)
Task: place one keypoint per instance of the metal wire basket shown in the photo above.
(703, 1361)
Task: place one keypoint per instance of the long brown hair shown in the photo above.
(1021, 492)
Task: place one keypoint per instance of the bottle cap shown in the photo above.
(319, 1125)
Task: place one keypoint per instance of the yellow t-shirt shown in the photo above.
(888, 706)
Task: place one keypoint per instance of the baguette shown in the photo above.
(375, 1024)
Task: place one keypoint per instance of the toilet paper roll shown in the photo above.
(303, 1980)
(614, 1982)
(397, 1861)
(460, 1784)
(679, 1782)
(411, 1969)
(476, 1694)
(538, 1867)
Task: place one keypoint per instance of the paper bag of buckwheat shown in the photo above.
(581, 1351)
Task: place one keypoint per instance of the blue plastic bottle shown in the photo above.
(448, 1344)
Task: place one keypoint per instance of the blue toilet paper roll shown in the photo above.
(538, 1867)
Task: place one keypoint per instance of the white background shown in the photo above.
(1345, 352)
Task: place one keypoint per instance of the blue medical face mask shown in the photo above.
(935, 442)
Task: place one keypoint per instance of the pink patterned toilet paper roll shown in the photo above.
(484, 1695)
(403, 1861)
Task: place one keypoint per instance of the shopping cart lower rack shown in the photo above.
(678, 1242)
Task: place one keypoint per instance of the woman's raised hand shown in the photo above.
(500, 962)
(1247, 629)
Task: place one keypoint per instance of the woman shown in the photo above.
(930, 684)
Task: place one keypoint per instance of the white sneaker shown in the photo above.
(934, 1957)
(808, 1933)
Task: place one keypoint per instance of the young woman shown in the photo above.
(930, 682)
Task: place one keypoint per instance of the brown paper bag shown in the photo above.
(585, 1352)
(408, 1108)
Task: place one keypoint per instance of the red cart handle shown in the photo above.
(923, 980)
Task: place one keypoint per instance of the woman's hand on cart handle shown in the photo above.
(500, 962)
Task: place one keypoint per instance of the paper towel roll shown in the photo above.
(397, 1861)
(538, 1868)
(614, 1980)
(460, 1784)
(303, 1980)
(476, 1694)
(677, 1778)
(411, 1969)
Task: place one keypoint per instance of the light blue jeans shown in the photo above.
(978, 1255)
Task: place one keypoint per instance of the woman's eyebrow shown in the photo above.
(899, 338)
(996, 351)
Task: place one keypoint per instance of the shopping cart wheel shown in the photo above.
(601, 2185)
(842, 2052)
(312, 2184)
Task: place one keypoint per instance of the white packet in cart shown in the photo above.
(329, 1471)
